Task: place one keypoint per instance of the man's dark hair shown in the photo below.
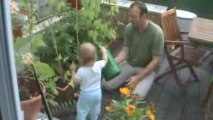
(141, 6)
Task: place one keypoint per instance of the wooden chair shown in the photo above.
(180, 53)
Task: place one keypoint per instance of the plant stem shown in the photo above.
(55, 45)
(77, 15)
(46, 107)
(30, 22)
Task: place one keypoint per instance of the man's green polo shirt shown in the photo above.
(142, 46)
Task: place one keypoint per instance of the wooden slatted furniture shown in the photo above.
(201, 33)
(180, 53)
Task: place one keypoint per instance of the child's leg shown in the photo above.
(82, 106)
(96, 105)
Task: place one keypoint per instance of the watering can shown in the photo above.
(111, 69)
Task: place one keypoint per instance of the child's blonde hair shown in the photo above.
(87, 53)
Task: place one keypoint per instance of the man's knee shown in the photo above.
(141, 94)
(108, 85)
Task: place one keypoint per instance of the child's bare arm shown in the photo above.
(104, 54)
(73, 68)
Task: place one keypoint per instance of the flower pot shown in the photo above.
(17, 31)
(64, 91)
(32, 106)
(74, 4)
(25, 12)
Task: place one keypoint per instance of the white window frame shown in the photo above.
(9, 96)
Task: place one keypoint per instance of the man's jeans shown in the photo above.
(142, 88)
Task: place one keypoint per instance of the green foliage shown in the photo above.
(93, 22)
(62, 38)
(57, 7)
(23, 45)
(65, 44)
(37, 42)
(57, 46)
(43, 70)
(129, 107)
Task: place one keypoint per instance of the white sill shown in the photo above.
(44, 24)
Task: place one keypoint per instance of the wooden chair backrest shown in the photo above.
(170, 25)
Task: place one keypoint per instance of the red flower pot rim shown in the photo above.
(42, 85)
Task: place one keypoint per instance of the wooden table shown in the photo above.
(201, 31)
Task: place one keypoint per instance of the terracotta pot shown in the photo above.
(62, 85)
(72, 3)
(32, 106)
(64, 93)
(63, 89)
(25, 12)
(17, 32)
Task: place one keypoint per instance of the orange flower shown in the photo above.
(125, 91)
(109, 108)
(130, 109)
(135, 97)
(150, 112)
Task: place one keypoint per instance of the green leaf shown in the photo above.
(43, 70)
(52, 102)
(71, 83)
(37, 42)
(21, 44)
(58, 58)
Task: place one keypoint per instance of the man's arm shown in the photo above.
(146, 71)
(122, 55)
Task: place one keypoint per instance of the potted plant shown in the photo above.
(17, 19)
(31, 100)
(74, 4)
(28, 89)
(128, 107)
(61, 48)
(33, 70)
(60, 57)
(57, 49)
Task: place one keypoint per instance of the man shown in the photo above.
(140, 56)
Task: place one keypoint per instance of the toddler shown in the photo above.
(89, 78)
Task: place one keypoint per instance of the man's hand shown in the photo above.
(134, 80)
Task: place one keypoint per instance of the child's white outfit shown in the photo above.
(89, 101)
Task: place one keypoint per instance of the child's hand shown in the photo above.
(73, 67)
(101, 48)
(104, 54)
